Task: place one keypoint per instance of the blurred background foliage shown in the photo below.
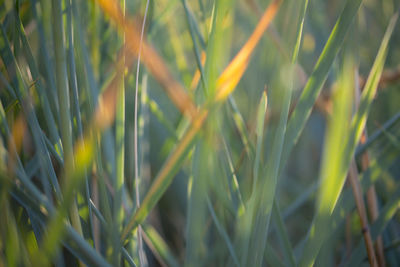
(203, 217)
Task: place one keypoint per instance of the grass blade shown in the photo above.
(160, 246)
(166, 174)
(262, 109)
(287, 247)
(330, 192)
(388, 211)
(265, 194)
(223, 233)
(331, 178)
(64, 100)
(316, 80)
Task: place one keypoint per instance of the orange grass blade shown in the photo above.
(230, 77)
(164, 177)
(225, 84)
(150, 58)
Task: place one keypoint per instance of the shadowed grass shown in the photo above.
(80, 124)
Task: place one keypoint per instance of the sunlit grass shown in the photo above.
(174, 133)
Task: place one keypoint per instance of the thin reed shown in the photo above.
(199, 133)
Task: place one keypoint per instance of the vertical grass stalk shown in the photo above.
(118, 212)
(64, 102)
(142, 255)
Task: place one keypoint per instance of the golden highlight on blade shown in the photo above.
(225, 85)
(234, 71)
(150, 58)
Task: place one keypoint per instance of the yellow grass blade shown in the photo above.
(150, 58)
(233, 72)
(225, 85)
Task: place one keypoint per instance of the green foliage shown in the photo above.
(220, 150)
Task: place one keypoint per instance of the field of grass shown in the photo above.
(199, 133)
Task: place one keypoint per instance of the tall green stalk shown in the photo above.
(64, 101)
(118, 213)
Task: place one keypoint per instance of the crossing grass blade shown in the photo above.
(150, 58)
(73, 241)
(166, 174)
(212, 161)
(223, 233)
(75, 108)
(192, 26)
(232, 74)
(377, 134)
(287, 247)
(119, 179)
(21, 91)
(51, 125)
(388, 211)
(160, 246)
(65, 124)
(50, 75)
(264, 191)
(315, 82)
(233, 184)
(215, 52)
(196, 248)
(240, 125)
(331, 180)
(333, 170)
(370, 89)
(25, 197)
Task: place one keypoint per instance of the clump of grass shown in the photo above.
(172, 133)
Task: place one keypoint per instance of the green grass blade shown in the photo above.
(386, 214)
(160, 115)
(56, 228)
(331, 178)
(49, 66)
(288, 254)
(330, 191)
(192, 25)
(120, 122)
(21, 92)
(162, 180)
(76, 242)
(160, 246)
(6, 84)
(316, 80)
(216, 51)
(394, 140)
(103, 222)
(233, 183)
(223, 233)
(300, 200)
(266, 194)
(51, 125)
(241, 126)
(369, 92)
(76, 106)
(91, 87)
(204, 168)
(389, 124)
(64, 100)
(262, 110)
(196, 210)
(14, 252)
